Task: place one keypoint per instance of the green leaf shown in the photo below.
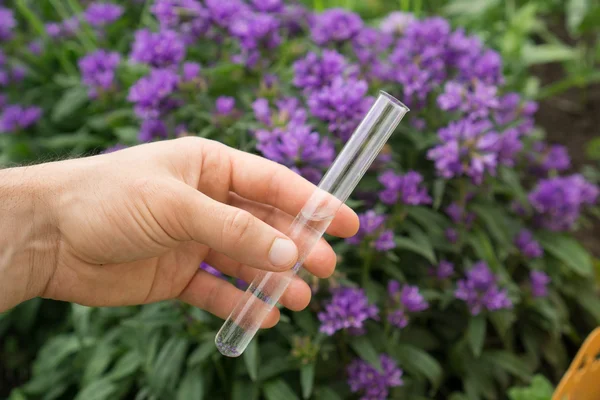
(326, 393)
(97, 363)
(476, 334)
(569, 251)
(508, 362)
(54, 352)
(98, 390)
(192, 385)
(71, 101)
(244, 390)
(576, 11)
(250, 356)
(547, 53)
(410, 245)
(202, 353)
(306, 321)
(461, 8)
(165, 370)
(307, 379)
(26, 314)
(495, 221)
(126, 366)
(510, 177)
(278, 390)
(503, 320)
(430, 220)
(365, 350)
(439, 186)
(418, 362)
(127, 134)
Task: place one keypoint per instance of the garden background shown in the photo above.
(475, 272)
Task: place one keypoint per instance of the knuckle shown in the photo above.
(237, 227)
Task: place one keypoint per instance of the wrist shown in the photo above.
(29, 236)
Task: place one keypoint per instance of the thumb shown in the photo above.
(231, 231)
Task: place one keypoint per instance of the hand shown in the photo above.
(132, 227)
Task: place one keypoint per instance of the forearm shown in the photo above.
(28, 237)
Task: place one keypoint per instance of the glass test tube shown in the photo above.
(311, 223)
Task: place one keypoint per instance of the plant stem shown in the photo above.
(368, 257)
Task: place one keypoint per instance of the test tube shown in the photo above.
(312, 221)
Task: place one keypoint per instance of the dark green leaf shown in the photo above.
(251, 359)
(508, 362)
(127, 134)
(278, 390)
(97, 363)
(326, 393)
(72, 100)
(439, 186)
(495, 221)
(98, 390)
(126, 366)
(192, 385)
(306, 321)
(394, 271)
(569, 251)
(576, 10)
(418, 362)
(431, 221)
(202, 353)
(307, 379)
(26, 314)
(476, 334)
(365, 350)
(54, 352)
(275, 366)
(244, 390)
(410, 245)
(503, 320)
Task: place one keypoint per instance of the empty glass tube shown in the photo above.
(311, 223)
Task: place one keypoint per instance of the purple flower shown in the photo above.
(224, 105)
(15, 118)
(509, 146)
(348, 308)
(100, 14)
(297, 146)
(256, 29)
(444, 270)
(528, 246)
(18, 73)
(512, 110)
(475, 99)
(160, 49)
(558, 201)
(467, 148)
(335, 25)
(459, 215)
(313, 71)
(451, 235)
(35, 47)
(288, 111)
(223, 13)
(539, 283)
(53, 29)
(385, 241)
(152, 92)
(369, 44)
(267, 5)
(295, 19)
(98, 70)
(396, 22)
(480, 290)
(342, 105)
(3, 101)
(371, 223)
(407, 188)
(545, 158)
(151, 129)
(7, 23)
(372, 384)
(191, 71)
(404, 301)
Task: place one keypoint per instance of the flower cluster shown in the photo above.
(372, 384)
(99, 14)
(348, 309)
(406, 188)
(98, 71)
(335, 25)
(15, 118)
(558, 201)
(539, 283)
(314, 72)
(372, 229)
(444, 270)
(403, 302)
(480, 290)
(7, 23)
(527, 245)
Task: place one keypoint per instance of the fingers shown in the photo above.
(218, 297)
(265, 181)
(321, 260)
(228, 230)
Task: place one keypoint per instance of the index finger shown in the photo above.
(264, 181)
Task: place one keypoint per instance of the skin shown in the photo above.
(132, 227)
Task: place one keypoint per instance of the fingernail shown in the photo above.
(283, 252)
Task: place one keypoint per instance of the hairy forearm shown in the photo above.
(28, 237)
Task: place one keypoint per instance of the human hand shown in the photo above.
(132, 227)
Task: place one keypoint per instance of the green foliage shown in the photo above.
(539, 389)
